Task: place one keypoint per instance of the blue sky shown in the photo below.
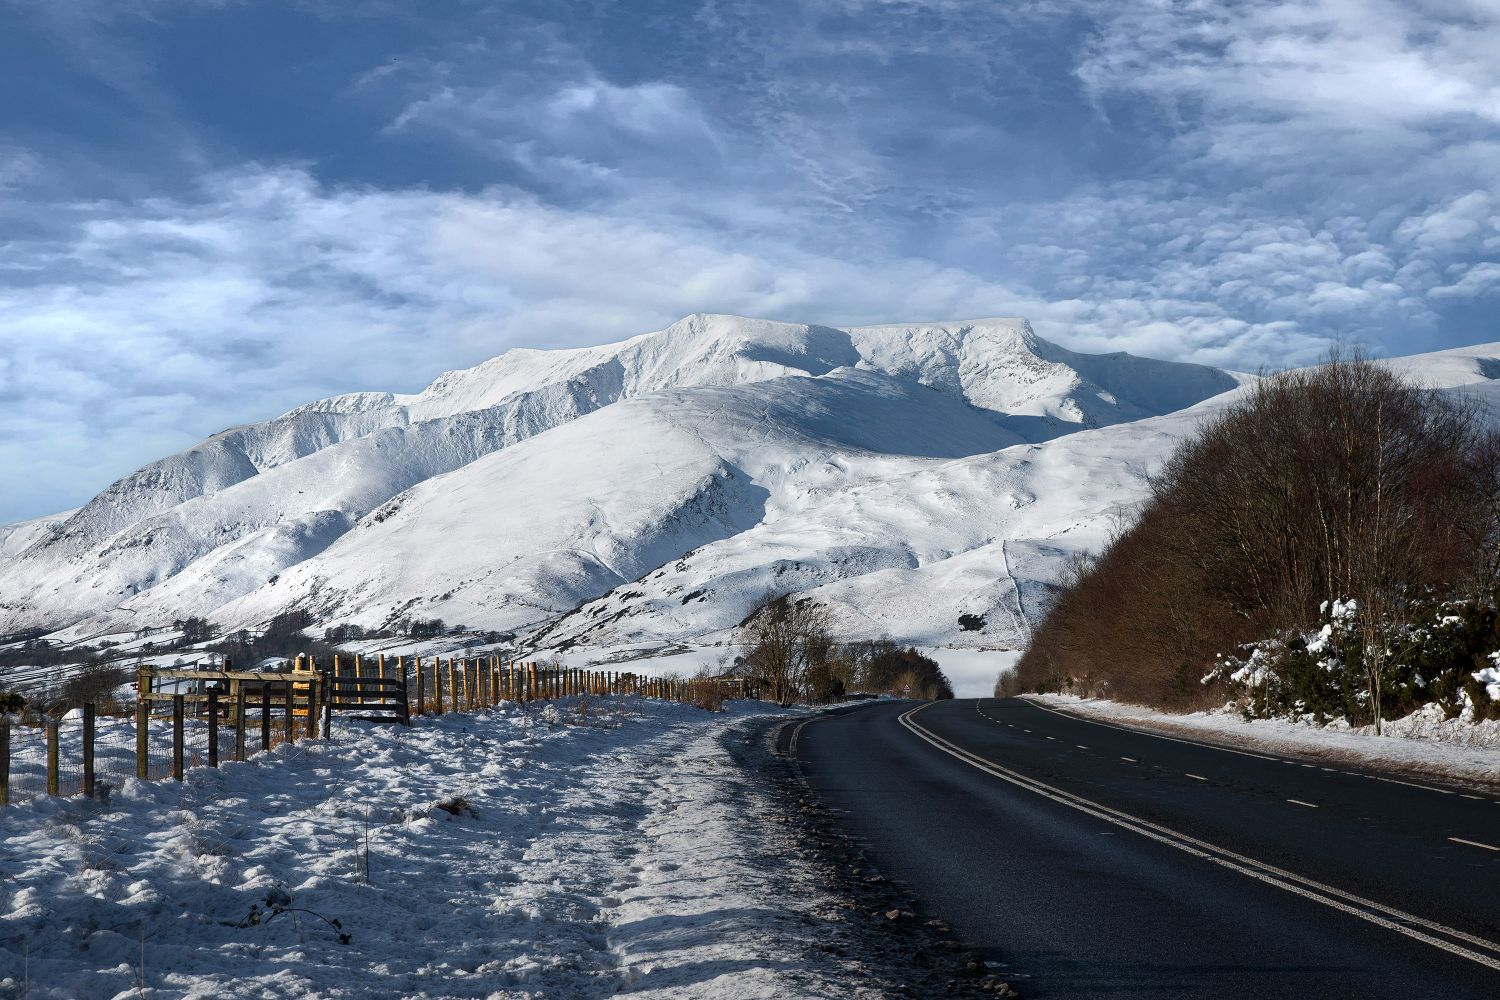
(212, 211)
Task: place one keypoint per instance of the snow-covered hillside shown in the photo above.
(650, 491)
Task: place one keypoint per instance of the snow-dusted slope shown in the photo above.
(901, 546)
(1452, 368)
(508, 494)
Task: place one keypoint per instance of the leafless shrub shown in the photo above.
(707, 691)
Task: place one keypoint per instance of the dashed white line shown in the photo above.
(1474, 843)
(1479, 950)
(1131, 759)
(1198, 777)
(1080, 746)
(1142, 732)
(1299, 802)
(1241, 753)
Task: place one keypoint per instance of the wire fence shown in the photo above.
(185, 719)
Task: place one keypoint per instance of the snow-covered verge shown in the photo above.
(1422, 743)
(562, 853)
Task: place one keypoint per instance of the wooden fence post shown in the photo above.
(52, 764)
(405, 698)
(88, 749)
(452, 687)
(291, 712)
(178, 736)
(213, 727)
(265, 715)
(142, 738)
(313, 685)
(421, 690)
(241, 703)
(4, 761)
(405, 684)
(437, 685)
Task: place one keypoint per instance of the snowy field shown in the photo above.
(1423, 742)
(509, 855)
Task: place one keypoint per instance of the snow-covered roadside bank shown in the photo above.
(507, 858)
(1421, 744)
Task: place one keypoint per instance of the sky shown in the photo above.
(212, 211)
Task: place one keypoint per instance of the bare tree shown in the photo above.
(1337, 482)
(786, 639)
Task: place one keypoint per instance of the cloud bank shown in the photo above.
(215, 212)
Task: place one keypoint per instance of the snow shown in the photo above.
(1490, 677)
(653, 492)
(1459, 366)
(261, 517)
(1422, 743)
(618, 850)
(972, 672)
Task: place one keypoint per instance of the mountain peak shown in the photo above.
(687, 436)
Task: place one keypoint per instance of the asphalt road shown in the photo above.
(1096, 861)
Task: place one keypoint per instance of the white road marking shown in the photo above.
(1411, 784)
(1197, 776)
(1363, 909)
(1080, 746)
(1242, 753)
(1054, 738)
(1142, 732)
(1474, 843)
(791, 744)
(1131, 759)
(1476, 798)
(1211, 746)
(1299, 802)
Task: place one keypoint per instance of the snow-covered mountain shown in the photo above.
(643, 492)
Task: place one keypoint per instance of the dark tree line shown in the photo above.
(1332, 526)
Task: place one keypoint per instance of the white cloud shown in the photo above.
(1339, 65)
(1325, 167)
(268, 290)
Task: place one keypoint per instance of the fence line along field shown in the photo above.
(195, 717)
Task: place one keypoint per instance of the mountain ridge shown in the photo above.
(523, 492)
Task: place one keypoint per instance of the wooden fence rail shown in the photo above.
(186, 718)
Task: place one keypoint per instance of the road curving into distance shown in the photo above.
(1094, 860)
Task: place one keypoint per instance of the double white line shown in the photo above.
(1475, 949)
